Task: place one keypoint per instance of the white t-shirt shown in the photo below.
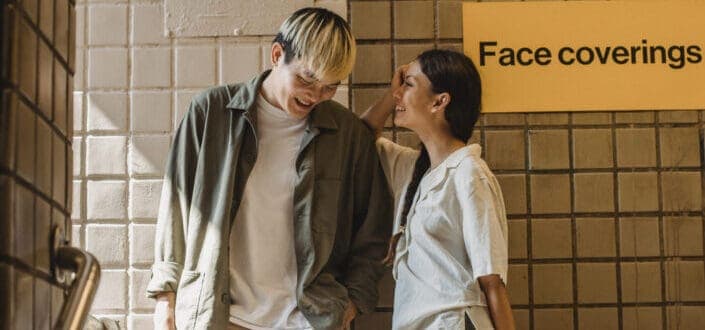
(263, 269)
(456, 232)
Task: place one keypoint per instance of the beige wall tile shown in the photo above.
(60, 167)
(685, 280)
(553, 283)
(26, 153)
(239, 63)
(61, 26)
(147, 24)
(504, 150)
(635, 117)
(374, 321)
(107, 24)
(638, 192)
(641, 282)
(404, 54)
(150, 112)
(641, 318)
(636, 147)
(680, 147)
(551, 238)
(107, 68)
(548, 149)
(598, 318)
(413, 19)
(371, 20)
(373, 64)
(363, 98)
(639, 237)
(595, 237)
(674, 116)
(43, 165)
(195, 66)
(521, 318)
(517, 239)
(518, 284)
(592, 148)
(504, 119)
(450, 19)
(592, 118)
(553, 319)
(46, 18)
(105, 155)
(45, 86)
(112, 291)
(550, 193)
(514, 192)
(683, 236)
(151, 67)
(594, 192)
(681, 191)
(107, 112)
(597, 283)
(685, 317)
(27, 60)
(61, 97)
(545, 119)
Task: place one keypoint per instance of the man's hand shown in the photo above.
(349, 315)
(164, 311)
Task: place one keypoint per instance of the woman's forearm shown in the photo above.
(377, 114)
(497, 302)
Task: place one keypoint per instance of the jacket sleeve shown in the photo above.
(372, 226)
(172, 220)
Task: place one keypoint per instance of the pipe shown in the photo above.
(83, 288)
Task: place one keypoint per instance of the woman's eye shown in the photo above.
(408, 84)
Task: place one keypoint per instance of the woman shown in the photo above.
(450, 250)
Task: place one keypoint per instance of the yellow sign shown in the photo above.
(588, 55)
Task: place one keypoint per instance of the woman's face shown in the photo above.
(414, 99)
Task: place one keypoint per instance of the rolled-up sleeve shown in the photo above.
(483, 233)
(172, 220)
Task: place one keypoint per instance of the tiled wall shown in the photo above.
(132, 86)
(36, 63)
(605, 209)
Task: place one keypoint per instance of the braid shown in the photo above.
(422, 164)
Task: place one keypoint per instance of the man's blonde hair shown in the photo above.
(321, 40)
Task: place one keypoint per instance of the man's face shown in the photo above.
(296, 90)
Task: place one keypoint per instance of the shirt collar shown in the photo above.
(244, 99)
(474, 150)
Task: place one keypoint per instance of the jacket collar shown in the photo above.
(244, 99)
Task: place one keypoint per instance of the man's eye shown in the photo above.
(304, 81)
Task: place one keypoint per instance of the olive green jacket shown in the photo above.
(342, 209)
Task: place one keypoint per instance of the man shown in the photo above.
(274, 212)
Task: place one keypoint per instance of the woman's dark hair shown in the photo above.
(453, 73)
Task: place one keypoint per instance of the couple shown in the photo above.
(276, 214)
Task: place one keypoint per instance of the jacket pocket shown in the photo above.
(188, 299)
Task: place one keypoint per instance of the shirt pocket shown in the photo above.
(188, 298)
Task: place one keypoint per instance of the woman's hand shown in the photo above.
(398, 77)
(164, 311)
(377, 114)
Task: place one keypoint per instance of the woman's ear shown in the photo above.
(441, 102)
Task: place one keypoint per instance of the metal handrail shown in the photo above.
(83, 288)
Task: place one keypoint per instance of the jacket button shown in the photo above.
(225, 299)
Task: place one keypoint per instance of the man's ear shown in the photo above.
(441, 102)
(277, 55)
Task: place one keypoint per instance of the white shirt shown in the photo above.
(263, 269)
(456, 232)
